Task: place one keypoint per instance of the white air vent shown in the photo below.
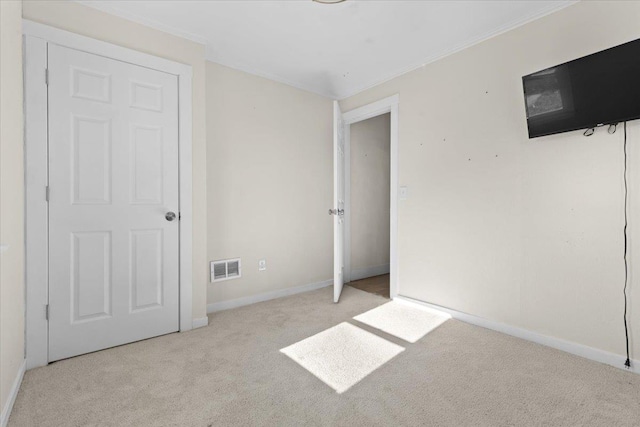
(225, 269)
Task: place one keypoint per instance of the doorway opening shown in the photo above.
(369, 185)
(341, 211)
(387, 263)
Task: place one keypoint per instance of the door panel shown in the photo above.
(113, 175)
(146, 270)
(146, 165)
(91, 275)
(91, 168)
(338, 202)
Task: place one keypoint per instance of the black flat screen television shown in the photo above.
(599, 89)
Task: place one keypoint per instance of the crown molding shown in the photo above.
(116, 11)
(325, 92)
(273, 77)
(462, 46)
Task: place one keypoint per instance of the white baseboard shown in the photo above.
(13, 393)
(200, 322)
(591, 353)
(363, 273)
(266, 296)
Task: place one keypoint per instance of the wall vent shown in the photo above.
(225, 269)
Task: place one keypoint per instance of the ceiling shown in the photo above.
(334, 50)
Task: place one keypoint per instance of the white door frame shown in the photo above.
(383, 106)
(36, 37)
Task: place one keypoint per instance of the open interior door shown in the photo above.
(338, 201)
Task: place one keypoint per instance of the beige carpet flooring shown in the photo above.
(232, 373)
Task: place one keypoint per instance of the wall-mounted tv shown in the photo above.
(599, 89)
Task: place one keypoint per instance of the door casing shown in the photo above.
(383, 106)
(36, 37)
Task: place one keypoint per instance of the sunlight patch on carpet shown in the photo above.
(404, 321)
(343, 355)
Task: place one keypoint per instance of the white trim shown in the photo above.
(305, 86)
(383, 106)
(36, 216)
(421, 306)
(234, 65)
(13, 393)
(36, 37)
(347, 274)
(363, 273)
(266, 296)
(98, 47)
(200, 322)
(185, 165)
(581, 350)
(209, 55)
(108, 7)
(368, 111)
(462, 46)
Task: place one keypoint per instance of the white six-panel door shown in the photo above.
(113, 179)
(338, 201)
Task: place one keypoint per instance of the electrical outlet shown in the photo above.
(262, 265)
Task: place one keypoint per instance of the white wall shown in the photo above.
(370, 187)
(524, 232)
(269, 183)
(93, 23)
(11, 200)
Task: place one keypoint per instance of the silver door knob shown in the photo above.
(170, 216)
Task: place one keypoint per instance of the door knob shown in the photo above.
(170, 216)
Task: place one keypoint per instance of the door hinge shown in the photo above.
(46, 193)
(46, 76)
(179, 216)
(46, 311)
